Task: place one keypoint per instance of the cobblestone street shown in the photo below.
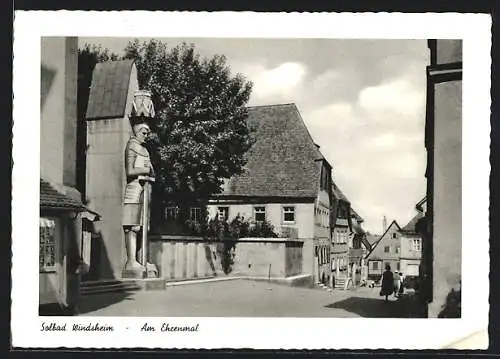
(245, 298)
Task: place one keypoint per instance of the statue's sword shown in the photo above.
(145, 221)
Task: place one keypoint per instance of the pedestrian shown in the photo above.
(397, 283)
(387, 282)
(402, 286)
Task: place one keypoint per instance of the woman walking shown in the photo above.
(387, 283)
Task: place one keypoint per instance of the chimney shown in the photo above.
(384, 224)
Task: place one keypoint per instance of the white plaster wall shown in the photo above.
(304, 215)
(53, 53)
(447, 192)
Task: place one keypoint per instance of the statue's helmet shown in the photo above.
(139, 127)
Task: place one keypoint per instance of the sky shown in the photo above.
(363, 102)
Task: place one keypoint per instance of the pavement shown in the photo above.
(246, 298)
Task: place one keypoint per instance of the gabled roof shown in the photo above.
(420, 204)
(109, 89)
(283, 161)
(374, 245)
(51, 198)
(411, 227)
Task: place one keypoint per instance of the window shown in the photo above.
(417, 245)
(223, 213)
(195, 214)
(397, 250)
(260, 214)
(48, 242)
(171, 213)
(289, 214)
(387, 249)
(375, 265)
(398, 266)
(394, 235)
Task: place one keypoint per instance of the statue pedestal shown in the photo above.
(151, 271)
(135, 273)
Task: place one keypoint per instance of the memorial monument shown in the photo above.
(136, 200)
(117, 124)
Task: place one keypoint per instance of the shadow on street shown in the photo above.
(373, 308)
(92, 303)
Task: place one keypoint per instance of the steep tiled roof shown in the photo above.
(282, 161)
(108, 92)
(411, 227)
(357, 216)
(339, 194)
(357, 228)
(51, 198)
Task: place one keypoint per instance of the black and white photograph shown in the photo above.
(195, 177)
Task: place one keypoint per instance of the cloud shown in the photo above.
(280, 83)
(330, 116)
(394, 140)
(400, 96)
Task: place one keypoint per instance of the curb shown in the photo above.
(276, 280)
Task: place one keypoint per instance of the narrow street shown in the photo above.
(246, 298)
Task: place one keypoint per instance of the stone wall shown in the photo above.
(186, 257)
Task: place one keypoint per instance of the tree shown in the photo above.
(202, 133)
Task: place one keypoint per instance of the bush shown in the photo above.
(227, 234)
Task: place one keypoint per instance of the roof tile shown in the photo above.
(51, 198)
(281, 163)
(107, 98)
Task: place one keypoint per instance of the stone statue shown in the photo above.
(139, 172)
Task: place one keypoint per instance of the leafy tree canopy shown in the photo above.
(202, 133)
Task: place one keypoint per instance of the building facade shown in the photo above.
(411, 248)
(62, 213)
(387, 250)
(286, 182)
(441, 252)
(342, 235)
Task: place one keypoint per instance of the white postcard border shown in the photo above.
(258, 333)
